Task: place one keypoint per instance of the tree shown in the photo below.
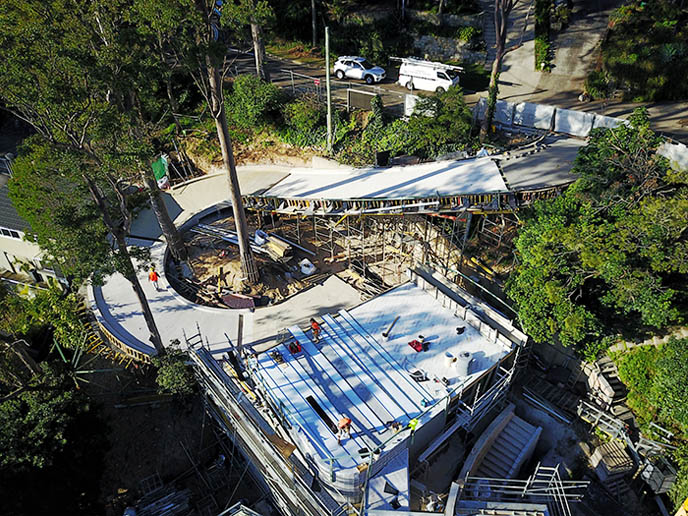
(194, 36)
(610, 255)
(90, 95)
(48, 189)
(256, 14)
(502, 10)
(34, 424)
(174, 375)
(314, 23)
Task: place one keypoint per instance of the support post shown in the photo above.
(329, 92)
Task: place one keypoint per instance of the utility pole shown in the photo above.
(329, 91)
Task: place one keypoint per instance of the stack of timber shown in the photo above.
(270, 245)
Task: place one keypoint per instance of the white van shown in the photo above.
(417, 74)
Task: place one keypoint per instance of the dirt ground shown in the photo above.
(278, 280)
(150, 436)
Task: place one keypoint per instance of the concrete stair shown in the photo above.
(506, 448)
(503, 447)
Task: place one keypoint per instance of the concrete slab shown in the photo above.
(504, 112)
(608, 122)
(203, 192)
(439, 178)
(538, 116)
(119, 310)
(545, 168)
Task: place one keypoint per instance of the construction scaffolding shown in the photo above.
(543, 486)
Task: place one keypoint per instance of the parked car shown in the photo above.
(417, 74)
(353, 67)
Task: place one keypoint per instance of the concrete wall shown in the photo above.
(15, 252)
(436, 47)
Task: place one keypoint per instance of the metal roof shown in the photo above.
(9, 218)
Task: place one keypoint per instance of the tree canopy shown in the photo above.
(610, 255)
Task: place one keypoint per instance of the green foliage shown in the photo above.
(33, 425)
(669, 391)
(679, 491)
(562, 15)
(439, 124)
(55, 308)
(252, 102)
(174, 375)
(636, 371)
(597, 348)
(469, 33)
(597, 85)
(48, 193)
(543, 9)
(646, 50)
(305, 119)
(607, 256)
(542, 53)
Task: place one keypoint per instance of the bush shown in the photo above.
(305, 119)
(252, 102)
(542, 33)
(174, 376)
(467, 34)
(542, 57)
(645, 51)
(596, 85)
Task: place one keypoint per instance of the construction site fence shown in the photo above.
(301, 84)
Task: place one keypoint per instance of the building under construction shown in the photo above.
(411, 368)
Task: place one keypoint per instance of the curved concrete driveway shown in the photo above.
(117, 308)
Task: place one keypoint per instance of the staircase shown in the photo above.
(502, 448)
(489, 34)
(504, 453)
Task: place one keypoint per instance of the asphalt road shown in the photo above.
(300, 77)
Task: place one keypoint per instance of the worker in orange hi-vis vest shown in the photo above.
(316, 330)
(344, 428)
(153, 277)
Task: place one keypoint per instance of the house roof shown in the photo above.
(9, 218)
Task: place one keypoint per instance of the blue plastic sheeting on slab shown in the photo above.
(319, 370)
(387, 376)
(401, 374)
(356, 374)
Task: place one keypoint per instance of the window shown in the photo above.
(365, 64)
(442, 75)
(10, 233)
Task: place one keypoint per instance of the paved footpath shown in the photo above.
(117, 307)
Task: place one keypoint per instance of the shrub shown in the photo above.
(252, 102)
(174, 376)
(467, 34)
(305, 122)
(542, 49)
(596, 85)
(645, 51)
(542, 33)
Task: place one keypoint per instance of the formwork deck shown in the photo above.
(352, 371)
(440, 178)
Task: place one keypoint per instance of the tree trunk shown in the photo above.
(259, 52)
(172, 235)
(314, 23)
(130, 270)
(439, 9)
(174, 105)
(132, 278)
(248, 264)
(492, 95)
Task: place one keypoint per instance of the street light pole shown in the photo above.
(329, 91)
